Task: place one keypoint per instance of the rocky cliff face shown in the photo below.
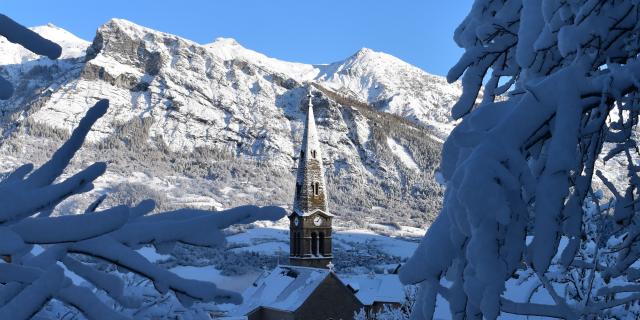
(217, 125)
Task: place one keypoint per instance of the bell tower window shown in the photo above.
(314, 243)
(293, 245)
(316, 188)
(313, 154)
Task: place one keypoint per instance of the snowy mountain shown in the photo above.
(382, 80)
(218, 125)
(72, 46)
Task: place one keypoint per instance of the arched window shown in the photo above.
(294, 243)
(314, 243)
(298, 244)
(321, 240)
(316, 188)
(313, 153)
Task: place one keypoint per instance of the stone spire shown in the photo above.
(310, 222)
(310, 187)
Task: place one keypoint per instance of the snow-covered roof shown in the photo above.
(285, 288)
(376, 288)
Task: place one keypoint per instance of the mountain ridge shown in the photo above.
(186, 105)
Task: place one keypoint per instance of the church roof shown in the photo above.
(376, 288)
(285, 288)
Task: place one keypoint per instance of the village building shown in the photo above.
(374, 291)
(308, 288)
(292, 292)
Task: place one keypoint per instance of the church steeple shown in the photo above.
(310, 188)
(310, 221)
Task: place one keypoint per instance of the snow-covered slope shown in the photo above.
(223, 116)
(394, 86)
(377, 78)
(72, 46)
(230, 49)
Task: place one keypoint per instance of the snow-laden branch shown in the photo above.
(28, 197)
(519, 171)
(111, 235)
(16, 33)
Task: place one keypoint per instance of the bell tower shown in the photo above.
(310, 221)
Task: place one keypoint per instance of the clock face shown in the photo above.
(296, 221)
(317, 221)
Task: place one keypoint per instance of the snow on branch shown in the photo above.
(28, 196)
(519, 208)
(16, 33)
(111, 235)
(23, 196)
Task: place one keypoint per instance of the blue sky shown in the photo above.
(417, 31)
